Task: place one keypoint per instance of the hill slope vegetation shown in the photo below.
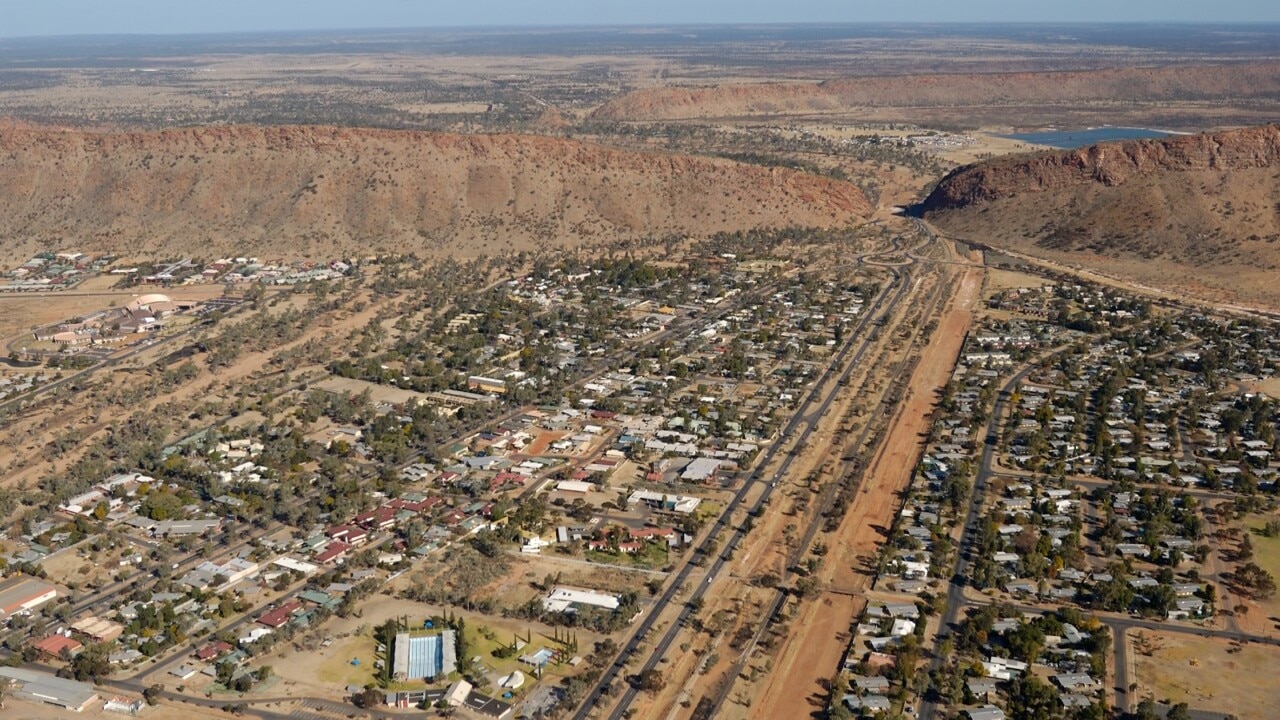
(324, 191)
(1199, 212)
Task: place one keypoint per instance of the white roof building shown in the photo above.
(563, 599)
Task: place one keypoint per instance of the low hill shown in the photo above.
(324, 191)
(1198, 213)
(957, 94)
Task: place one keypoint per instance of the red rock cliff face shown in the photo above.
(1105, 164)
(323, 190)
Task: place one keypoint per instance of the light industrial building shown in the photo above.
(21, 594)
(564, 599)
(49, 689)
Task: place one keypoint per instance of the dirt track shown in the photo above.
(819, 636)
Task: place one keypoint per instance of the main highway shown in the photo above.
(795, 434)
(775, 606)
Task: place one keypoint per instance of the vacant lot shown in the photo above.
(19, 313)
(999, 280)
(1191, 669)
(377, 393)
(1266, 553)
(1270, 386)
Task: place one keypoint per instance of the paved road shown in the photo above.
(956, 600)
(807, 416)
(775, 606)
(986, 469)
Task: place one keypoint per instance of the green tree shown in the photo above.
(161, 505)
(1147, 710)
(370, 697)
(92, 663)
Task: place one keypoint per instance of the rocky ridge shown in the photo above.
(1108, 164)
(1196, 214)
(308, 191)
(1244, 81)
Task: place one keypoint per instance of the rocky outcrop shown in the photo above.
(1235, 83)
(1106, 164)
(295, 191)
(1196, 215)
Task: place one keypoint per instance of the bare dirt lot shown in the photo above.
(1185, 668)
(378, 393)
(22, 710)
(19, 313)
(999, 280)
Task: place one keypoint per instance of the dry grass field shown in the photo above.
(1000, 280)
(327, 671)
(1184, 668)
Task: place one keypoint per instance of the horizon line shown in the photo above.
(1253, 24)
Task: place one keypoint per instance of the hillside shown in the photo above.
(1198, 213)
(323, 191)
(956, 93)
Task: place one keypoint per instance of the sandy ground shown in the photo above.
(377, 393)
(44, 424)
(819, 636)
(998, 280)
(1270, 386)
(1192, 669)
(541, 443)
(20, 710)
(20, 313)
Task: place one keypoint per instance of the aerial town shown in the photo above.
(653, 371)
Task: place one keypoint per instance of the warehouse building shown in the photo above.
(21, 594)
(49, 689)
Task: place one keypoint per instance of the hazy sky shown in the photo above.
(73, 17)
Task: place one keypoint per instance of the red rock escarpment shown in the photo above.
(1108, 164)
(324, 190)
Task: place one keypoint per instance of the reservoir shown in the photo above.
(1069, 139)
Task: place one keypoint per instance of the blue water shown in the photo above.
(1079, 138)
